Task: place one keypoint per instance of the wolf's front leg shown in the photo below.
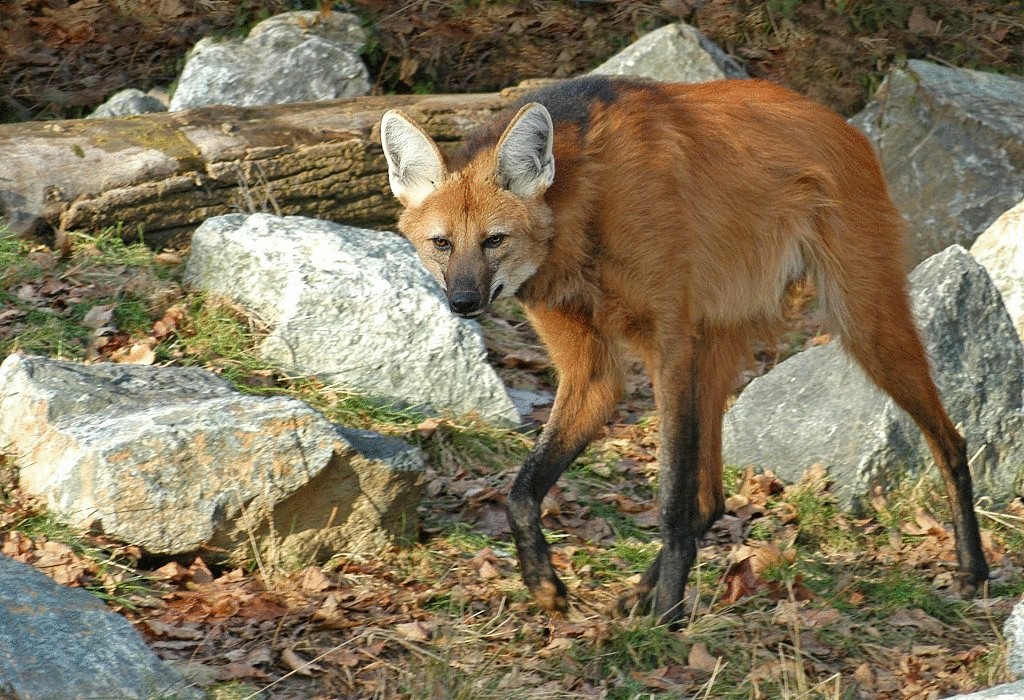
(589, 384)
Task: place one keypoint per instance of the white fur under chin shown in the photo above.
(511, 283)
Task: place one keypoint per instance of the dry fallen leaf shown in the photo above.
(916, 618)
(701, 659)
(864, 677)
(98, 316)
(162, 629)
(418, 631)
(739, 581)
(314, 580)
(920, 23)
(428, 427)
(172, 571)
(167, 258)
(140, 353)
(296, 663)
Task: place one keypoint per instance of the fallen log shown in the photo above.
(160, 175)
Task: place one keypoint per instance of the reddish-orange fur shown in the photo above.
(678, 217)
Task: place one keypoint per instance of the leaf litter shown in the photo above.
(763, 619)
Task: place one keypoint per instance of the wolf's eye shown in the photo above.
(441, 243)
(494, 241)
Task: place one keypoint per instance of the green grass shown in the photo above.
(116, 581)
(101, 269)
(216, 333)
(900, 589)
(632, 645)
(622, 525)
(14, 261)
(48, 333)
(819, 519)
(108, 247)
(234, 690)
(627, 556)
(468, 540)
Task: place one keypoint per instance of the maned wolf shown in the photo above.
(673, 218)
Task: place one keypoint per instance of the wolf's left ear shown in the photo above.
(415, 165)
(526, 165)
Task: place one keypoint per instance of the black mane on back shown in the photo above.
(568, 101)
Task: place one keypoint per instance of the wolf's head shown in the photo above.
(484, 229)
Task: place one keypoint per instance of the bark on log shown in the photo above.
(161, 175)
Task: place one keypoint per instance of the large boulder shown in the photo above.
(818, 406)
(1013, 632)
(173, 459)
(1000, 249)
(58, 642)
(291, 57)
(1006, 691)
(675, 53)
(354, 307)
(951, 142)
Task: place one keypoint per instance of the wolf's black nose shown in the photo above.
(464, 302)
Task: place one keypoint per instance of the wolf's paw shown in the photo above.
(968, 584)
(636, 601)
(552, 595)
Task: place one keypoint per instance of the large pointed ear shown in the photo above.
(415, 165)
(526, 165)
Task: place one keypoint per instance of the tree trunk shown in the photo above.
(160, 175)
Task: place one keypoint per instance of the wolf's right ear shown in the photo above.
(526, 165)
(415, 165)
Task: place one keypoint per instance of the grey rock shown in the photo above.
(1007, 691)
(174, 459)
(525, 401)
(1013, 632)
(354, 307)
(128, 102)
(58, 643)
(1000, 249)
(674, 53)
(951, 142)
(291, 57)
(818, 406)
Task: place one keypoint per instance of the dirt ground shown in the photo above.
(60, 59)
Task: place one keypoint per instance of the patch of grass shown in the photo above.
(628, 556)
(475, 448)
(633, 645)
(219, 333)
(821, 524)
(108, 247)
(989, 668)
(464, 538)
(904, 497)
(762, 530)
(51, 295)
(597, 467)
(732, 478)
(899, 589)
(234, 690)
(131, 314)
(115, 579)
(637, 553)
(345, 407)
(621, 524)
(14, 259)
(48, 333)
